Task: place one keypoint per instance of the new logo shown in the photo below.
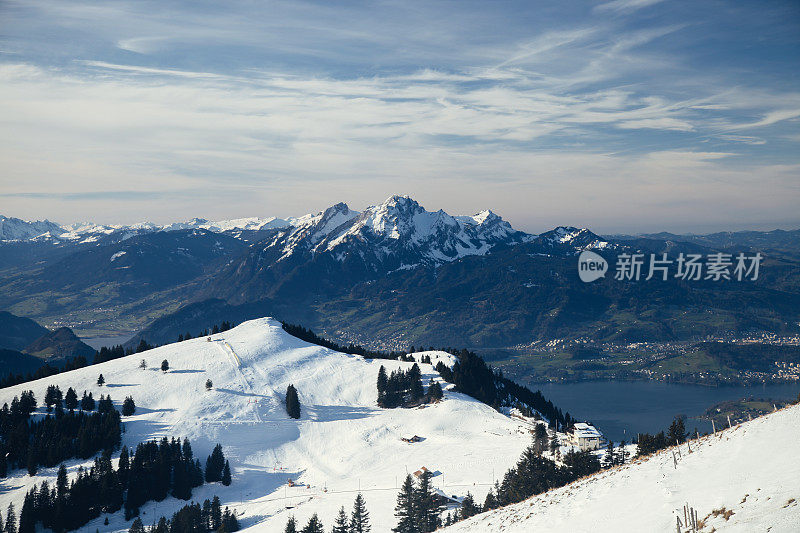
(591, 266)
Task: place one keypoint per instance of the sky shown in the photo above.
(621, 116)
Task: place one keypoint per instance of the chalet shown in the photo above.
(415, 438)
(585, 436)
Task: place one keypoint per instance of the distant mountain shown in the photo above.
(16, 332)
(339, 246)
(59, 344)
(391, 275)
(14, 362)
(14, 229)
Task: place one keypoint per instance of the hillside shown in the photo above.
(342, 443)
(744, 479)
(59, 344)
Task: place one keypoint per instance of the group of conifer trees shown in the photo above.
(357, 522)
(60, 435)
(193, 518)
(155, 470)
(224, 326)
(418, 507)
(676, 434)
(403, 388)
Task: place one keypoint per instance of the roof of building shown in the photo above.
(586, 431)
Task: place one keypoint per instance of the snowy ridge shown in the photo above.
(399, 228)
(752, 470)
(342, 443)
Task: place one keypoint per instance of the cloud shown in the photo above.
(625, 6)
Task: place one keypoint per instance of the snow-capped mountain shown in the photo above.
(15, 229)
(398, 233)
(339, 247)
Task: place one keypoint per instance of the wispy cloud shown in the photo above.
(278, 108)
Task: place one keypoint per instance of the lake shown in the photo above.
(623, 408)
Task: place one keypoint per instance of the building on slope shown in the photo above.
(585, 436)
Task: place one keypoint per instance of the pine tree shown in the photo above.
(137, 526)
(71, 399)
(215, 463)
(291, 525)
(87, 402)
(677, 432)
(27, 515)
(405, 510)
(226, 474)
(216, 513)
(416, 383)
(468, 507)
(435, 391)
(359, 519)
(313, 525)
(292, 402)
(427, 509)
(143, 365)
(383, 382)
(11, 519)
(32, 463)
(340, 526)
(622, 453)
(128, 406)
(610, 458)
(101, 380)
(164, 365)
(209, 384)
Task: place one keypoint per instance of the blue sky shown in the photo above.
(626, 115)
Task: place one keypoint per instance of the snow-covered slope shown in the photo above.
(342, 443)
(751, 470)
(15, 229)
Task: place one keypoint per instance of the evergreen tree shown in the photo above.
(87, 402)
(610, 458)
(11, 520)
(540, 439)
(677, 432)
(143, 365)
(216, 513)
(27, 515)
(215, 463)
(415, 375)
(291, 525)
(313, 525)
(490, 502)
(209, 384)
(340, 526)
(426, 505)
(292, 402)
(101, 380)
(137, 526)
(164, 365)
(52, 396)
(383, 382)
(468, 507)
(435, 391)
(622, 453)
(71, 399)
(405, 510)
(31, 463)
(359, 519)
(226, 474)
(128, 406)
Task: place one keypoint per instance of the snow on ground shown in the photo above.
(436, 355)
(342, 443)
(752, 470)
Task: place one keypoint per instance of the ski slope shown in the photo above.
(342, 443)
(752, 469)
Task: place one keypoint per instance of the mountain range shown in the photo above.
(391, 275)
